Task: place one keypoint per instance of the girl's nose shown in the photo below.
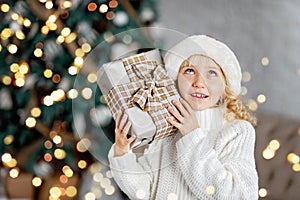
(198, 82)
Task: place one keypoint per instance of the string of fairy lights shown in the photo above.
(19, 78)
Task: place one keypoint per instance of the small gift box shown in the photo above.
(139, 85)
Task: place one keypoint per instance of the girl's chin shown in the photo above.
(199, 107)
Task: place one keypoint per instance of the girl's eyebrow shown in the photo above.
(214, 67)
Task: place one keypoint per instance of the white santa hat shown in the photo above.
(207, 46)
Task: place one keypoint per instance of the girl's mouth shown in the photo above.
(199, 95)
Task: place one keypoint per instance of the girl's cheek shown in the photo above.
(216, 89)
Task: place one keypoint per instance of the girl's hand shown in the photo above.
(187, 120)
(122, 143)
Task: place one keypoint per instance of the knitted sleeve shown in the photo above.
(132, 177)
(226, 171)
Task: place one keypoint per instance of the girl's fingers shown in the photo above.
(123, 122)
(180, 107)
(186, 105)
(174, 123)
(131, 139)
(126, 128)
(118, 118)
(175, 114)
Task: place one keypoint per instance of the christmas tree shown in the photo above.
(43, 49)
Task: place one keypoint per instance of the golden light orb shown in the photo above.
(12, 48)
(70, 38)
(296, 167)
(52, 18)
(86, 47)
(60, 39)
(20, 35)
(14, 16)
(30, 122)
(87, 93)
(71, 191)
(67, 4)
(27, 22)
(35, 112)
(5, 7)
(252, 105)
(38, 52)
(268, 154)
(24, 68)
(89, 196)
(6, 33)
(20, 82)
(48, 100)
(49, 5)
(261, 98)
(14, 173)
(8, 139)
(36, 181)
(274, 145)
(72, 94)
(92, 77)
(57, 139)
(12, 163)
(55, 192)
(83, 145)
(14, 67)
(48, 73)
(82, 164)
(45, 30)
(52, 26)
(73, 70)
(65, 31)
(110, 190)
(58, 95)
(79, 52)
(265, 61)
(60, 154)
(263, 192)
(103, 8)
(69, 172)
(6, 80)
(6, 157)
(78, 61)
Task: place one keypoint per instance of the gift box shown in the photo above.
(139, 85)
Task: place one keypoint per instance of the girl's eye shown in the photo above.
(189, 71)
(212, 73)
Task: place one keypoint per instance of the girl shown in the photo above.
(212, 154)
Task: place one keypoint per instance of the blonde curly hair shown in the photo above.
(236, 109)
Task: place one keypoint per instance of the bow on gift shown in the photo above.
(147, 98)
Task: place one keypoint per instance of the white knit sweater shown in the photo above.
(215, 161)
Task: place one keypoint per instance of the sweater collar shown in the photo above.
(211, 119)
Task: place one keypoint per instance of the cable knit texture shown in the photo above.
(215, 161)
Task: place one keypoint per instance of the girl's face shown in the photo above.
(201, 83)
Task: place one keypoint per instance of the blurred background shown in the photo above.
(55, 128)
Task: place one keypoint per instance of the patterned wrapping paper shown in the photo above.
(139, 85)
